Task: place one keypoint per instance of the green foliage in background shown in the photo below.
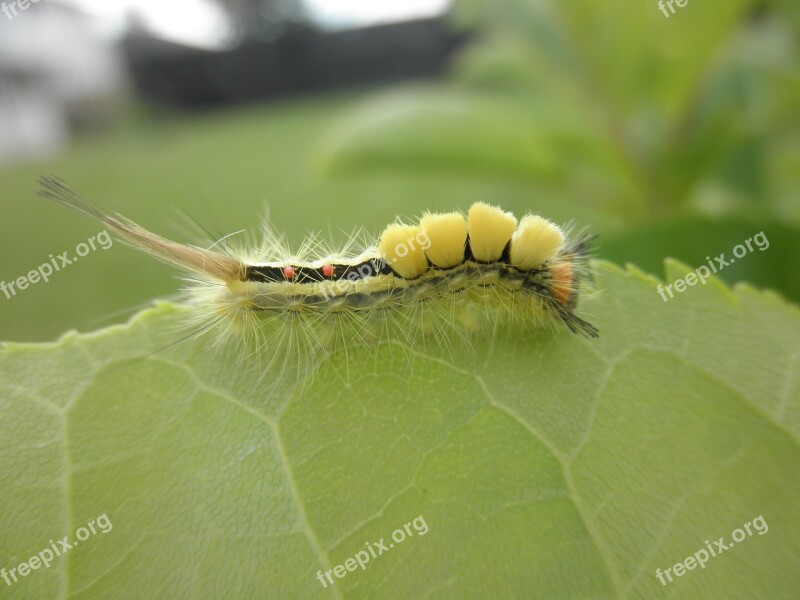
(688, 124)
(544, 466)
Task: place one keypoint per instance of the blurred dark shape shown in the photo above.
(265, 19)
(301, 60)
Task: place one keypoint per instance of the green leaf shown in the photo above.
(614, 105)
(691, 240)
(630, 54)
(544, 465)
(474, 135)
(432, 129)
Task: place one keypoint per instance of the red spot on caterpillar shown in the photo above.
(288, 272)
(561, 286)
(327, 270)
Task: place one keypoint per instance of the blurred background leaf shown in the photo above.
(686, 127)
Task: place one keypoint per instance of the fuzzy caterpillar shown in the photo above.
(447, 275)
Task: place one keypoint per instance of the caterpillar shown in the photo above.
(447, 274)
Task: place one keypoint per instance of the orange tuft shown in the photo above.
(561, 286)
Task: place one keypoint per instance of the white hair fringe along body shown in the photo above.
(440, 279)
